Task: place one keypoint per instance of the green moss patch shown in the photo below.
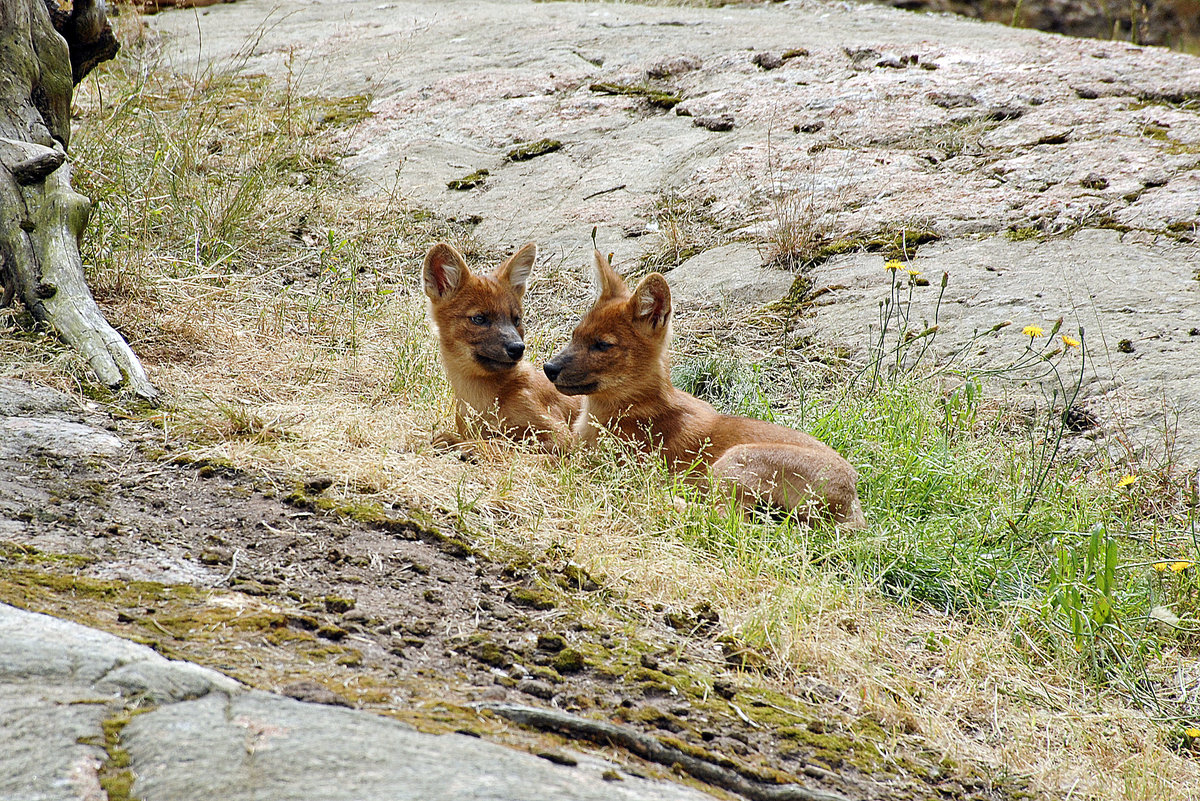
(532, 150)
(469, 181)
(655, 97)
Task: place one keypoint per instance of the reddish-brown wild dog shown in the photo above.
(619, 359)
(482, 341)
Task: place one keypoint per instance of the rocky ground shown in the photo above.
(1050, 177)
(300, 612)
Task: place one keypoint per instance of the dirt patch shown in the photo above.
(397, 612)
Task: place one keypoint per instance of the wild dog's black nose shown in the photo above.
(552, 370)
(515, 350)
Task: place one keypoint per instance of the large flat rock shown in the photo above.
(257, 746)
(210, 737)
(880, 120)
(1135, 298)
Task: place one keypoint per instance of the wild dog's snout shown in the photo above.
(552, 370)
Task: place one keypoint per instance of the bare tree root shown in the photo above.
(647, 747)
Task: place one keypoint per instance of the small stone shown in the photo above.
(891, 62)
(723, 122)
(648, 661)
(338, 605)
(1094, 180)
(551, 642)
(1125, 346)
(559, 759)
(1086, 92)
(766, 60)
(611, 776)
(724, 688)
(315, 485)
(667, 67)
(313, 693)
(952, 99)
(808, 127)
(536, 688)
(1154, 177)
(569, 661)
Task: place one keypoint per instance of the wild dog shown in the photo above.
(481, 337)
(619, 359)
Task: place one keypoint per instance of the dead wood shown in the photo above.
(44, 51)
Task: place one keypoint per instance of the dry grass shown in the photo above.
(280, 313)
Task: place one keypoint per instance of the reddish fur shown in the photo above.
(629, 392)
(509, 399)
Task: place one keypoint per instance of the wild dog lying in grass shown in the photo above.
(481, 338)
(619, 359)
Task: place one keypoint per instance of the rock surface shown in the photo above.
(258, 745)
(878, 121)
(209, 737)
(727, 274)
(192, 732)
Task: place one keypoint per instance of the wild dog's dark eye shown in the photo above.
(479, 319)
(516, 321)
(601, 346)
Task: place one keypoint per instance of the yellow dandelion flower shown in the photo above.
(1032, 331)
(892, 265)
(1126, 480)
(1192, 731)
(914, 273)
(1179, 567)
(1070, 342)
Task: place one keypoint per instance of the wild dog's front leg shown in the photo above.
(792, 477)
(461, 439)
(556, 437)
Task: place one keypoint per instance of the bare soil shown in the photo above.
(395, 611)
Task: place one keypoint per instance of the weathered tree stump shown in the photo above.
(44, 52)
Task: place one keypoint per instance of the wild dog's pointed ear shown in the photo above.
(515, 271)
(445, 271)
(651, 301)
(608, 284)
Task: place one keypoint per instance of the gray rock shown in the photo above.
(720, 122)
(211, 738)
(41, 756)
(58, 682)
(20, 398)
(257, 746)
(982, 144)
(1114, 287)
(52, 435)
(35, 647)
(728, 274)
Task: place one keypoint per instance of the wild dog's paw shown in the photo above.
(467, 450)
